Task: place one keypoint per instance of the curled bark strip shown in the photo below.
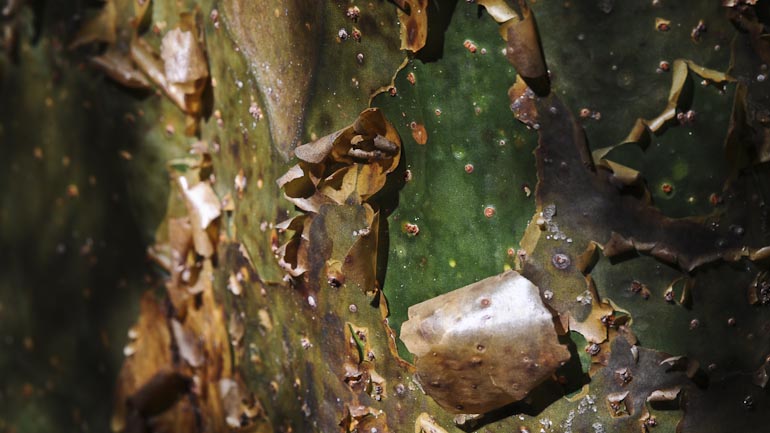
(678, 96)
(344, 169)
(524, 50)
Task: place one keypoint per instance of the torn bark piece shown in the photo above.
(485, 345)
(150, 63)
(150, 348)
(628, 223)
(203, 201)
(621, 176)
(499, 10)
(523, 102)
(678, 98)
(101, 27)
(413, 15)
(427, 424)
(733, 3)
(617, 404)
(667, 398)
(345, 168)
(204, 207)
(633, 382)
(240, 407)
(350, 163)
(188, 344)
(299, 187)
(118, 66)
(748, 135)
(292, 256)
(524, 50)
(183, 59)
(181, 69)
(185, 64)
(360, 418)
(142, 14)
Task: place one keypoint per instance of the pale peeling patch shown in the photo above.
(426, 424)
(281, 41)
(183, 57)
(485, 345)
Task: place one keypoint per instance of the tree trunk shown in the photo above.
(494, 223)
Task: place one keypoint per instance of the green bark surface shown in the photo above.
(324, 358)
